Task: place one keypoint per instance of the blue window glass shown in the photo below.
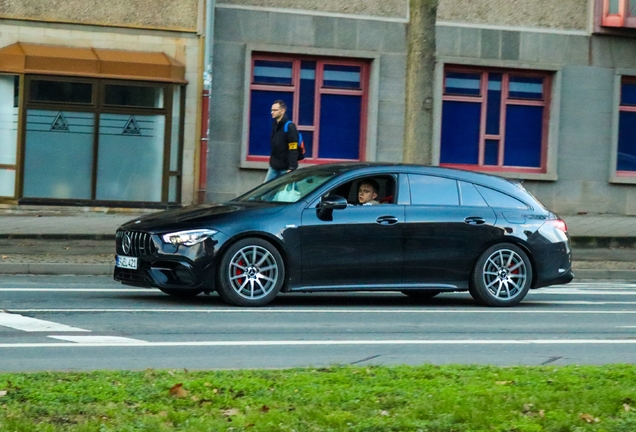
(307, 93)
(261, 119)
(272, 72)
(491, 154)
(628, 94)
(308, 138)
(340, 126)
(524, 125)
(338, 76)
(465, 84)
(493, 113)
(626, 158)
(460, 132)
(525, 88)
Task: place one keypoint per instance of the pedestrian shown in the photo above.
(284, 143)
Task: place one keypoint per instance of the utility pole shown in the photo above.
(420, 73)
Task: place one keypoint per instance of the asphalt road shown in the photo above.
(87, 323)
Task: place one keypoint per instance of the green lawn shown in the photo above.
(423, 398)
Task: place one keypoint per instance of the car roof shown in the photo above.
(362, 168)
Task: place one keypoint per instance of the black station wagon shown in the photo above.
(432, 230)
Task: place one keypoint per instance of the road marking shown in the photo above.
(100, 340)
(625, 326)
(335, 311)
(329, 342)
(19, 322)
(79, 290)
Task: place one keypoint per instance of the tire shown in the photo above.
(181, 293)
(502, 276)
(421, 295)
(251, 273)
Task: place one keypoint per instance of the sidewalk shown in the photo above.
(52, 240)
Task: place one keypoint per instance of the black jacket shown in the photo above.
(284, 155)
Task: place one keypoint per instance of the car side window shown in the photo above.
(386, 190)
(499, 199)
(431, 190)
(470, 196)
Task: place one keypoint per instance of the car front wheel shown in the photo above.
(502, 276)
(251, 273)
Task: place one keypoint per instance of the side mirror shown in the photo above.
(333, 202)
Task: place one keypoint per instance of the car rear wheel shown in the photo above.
(251, 273)
(421, 294)
(181, 293)
(502, 276)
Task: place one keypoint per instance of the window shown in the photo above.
(495, 120)
(626, 150)
(101, 140)
(430, 190)
(9, 91)
(326, 99)
(618, 13)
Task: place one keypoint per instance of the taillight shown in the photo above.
(558, 224)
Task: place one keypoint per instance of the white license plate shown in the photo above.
(126, 262)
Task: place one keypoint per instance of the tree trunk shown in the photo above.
(420, 70)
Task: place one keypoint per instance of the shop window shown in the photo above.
(495, 120)
(626, 151)
(125, 147)
(61, 91)
(326, 99)
(137, 96)
(9, 91)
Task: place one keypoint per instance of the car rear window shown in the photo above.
(499, 199)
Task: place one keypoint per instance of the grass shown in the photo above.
(423, 398)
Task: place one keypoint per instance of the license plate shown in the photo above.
(126, 262)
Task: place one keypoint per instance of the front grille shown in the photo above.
(135, 243)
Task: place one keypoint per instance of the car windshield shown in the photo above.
(291, 187)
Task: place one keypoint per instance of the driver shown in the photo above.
(368, 192)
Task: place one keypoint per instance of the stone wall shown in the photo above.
(380, 8)
(556, 14)
(157, 14)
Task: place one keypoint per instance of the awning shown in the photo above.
(90, 62)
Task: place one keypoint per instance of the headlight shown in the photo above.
(188, 238)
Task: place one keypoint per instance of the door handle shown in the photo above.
(387, 220)
(475, 220)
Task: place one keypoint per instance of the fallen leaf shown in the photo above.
(264, 408)
(5, 256)
(384, 413)
(3, 393)
(503, 382)
(542, 413)
(589, 418)
(177, 390)
(626, 407)
(230, 412)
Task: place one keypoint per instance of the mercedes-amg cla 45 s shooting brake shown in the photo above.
(429, 230)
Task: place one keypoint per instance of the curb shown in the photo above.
(107, 270)
(57, 269)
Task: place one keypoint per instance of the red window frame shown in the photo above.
(625, 108)
(319, 91)
(482, 98)
(623, 16)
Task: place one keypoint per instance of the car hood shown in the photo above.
(198, 216)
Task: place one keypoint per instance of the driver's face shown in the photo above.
(366, 194)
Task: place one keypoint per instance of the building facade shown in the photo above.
(101, 105)
(98, 102)
(536, 90)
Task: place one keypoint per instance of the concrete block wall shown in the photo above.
(584, 105)
(238, 29)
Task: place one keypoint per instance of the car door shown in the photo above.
(442, 235)
(355, 246)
